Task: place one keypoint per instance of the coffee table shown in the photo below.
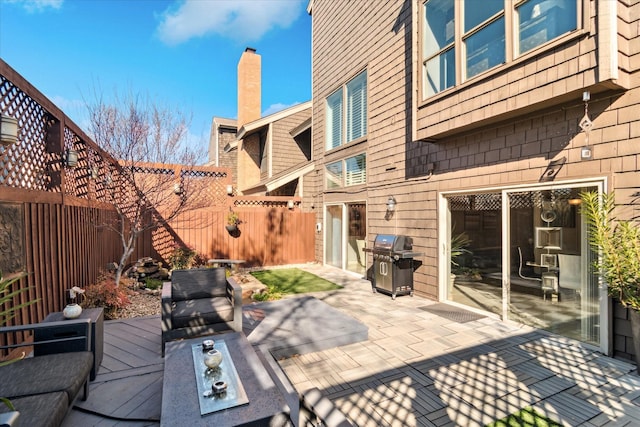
(180, 398)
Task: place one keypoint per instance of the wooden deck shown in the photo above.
(128, 388)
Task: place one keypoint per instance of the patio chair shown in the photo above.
(198, 302)
(569, 266)
(520, 268)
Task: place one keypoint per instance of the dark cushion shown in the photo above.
(204, 311)
(44, 374)
(41, 410)
(198, 283)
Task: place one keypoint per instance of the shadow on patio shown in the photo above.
(415, 368)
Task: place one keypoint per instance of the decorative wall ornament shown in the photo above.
(11, 237)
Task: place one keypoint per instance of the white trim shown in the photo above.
(285, 179)
(608, 36)
(296, 131)
(270, 151)
(257, 124)
(570, 183)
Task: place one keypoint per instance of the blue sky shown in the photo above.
(181, 53)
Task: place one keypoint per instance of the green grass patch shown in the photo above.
(292, 281)
(525, 417)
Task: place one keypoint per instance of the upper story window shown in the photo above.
(542, 20)
(463, 38)
(353, 96)
(347, 172)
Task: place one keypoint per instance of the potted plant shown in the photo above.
(233, 220)
(459, 244)
(618, 245)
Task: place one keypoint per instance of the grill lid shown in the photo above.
(393, 243)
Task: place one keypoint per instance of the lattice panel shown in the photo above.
(476, 202)
(38, 162)
(520, 200)
(76, 178)
(25, 164)
(540, 199)
(244, 203)
(207, 187)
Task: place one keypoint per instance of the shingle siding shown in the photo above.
(501, 129)
(285, 150)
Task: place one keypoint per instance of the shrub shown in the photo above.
(108, 295)
(153, 284)
(183, 258)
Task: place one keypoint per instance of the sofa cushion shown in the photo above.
(40, 410)
(205, 311)
(198, 283)
(44, 374)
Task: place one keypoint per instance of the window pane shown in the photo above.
(439, 25)
(334, 175)
(485, 48)
(357, 107)
(476, 12)
(542, 20)
(334, 120)
(356, 170)
(440, 73)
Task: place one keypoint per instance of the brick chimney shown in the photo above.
(249, 87)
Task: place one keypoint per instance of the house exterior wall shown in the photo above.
(249, 161)
(501, 128)
(223, 132)
(227, 160)
(285, 151)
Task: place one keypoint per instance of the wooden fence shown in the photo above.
(52, 216)
(267, 236)
(64, 244)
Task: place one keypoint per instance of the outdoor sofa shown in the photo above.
(200, 301)
(44, 388)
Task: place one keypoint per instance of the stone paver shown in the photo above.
(420, 369)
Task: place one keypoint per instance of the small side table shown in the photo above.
(97, 337)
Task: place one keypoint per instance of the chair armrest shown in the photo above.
(9, 419)
(166, 303)
(234, 292)
(65, 330)
(166, 291)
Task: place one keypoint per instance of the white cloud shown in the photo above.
(37, 5)
(240, 20)
(274, 108)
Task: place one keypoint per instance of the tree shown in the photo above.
(145, 138)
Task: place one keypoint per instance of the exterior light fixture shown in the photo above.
(71, 158)
(290, 204)
(229, 190)
(95, 172)
(177, 188)
(8, 130)
(391, 204)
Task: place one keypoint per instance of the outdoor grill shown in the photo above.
(393, 264)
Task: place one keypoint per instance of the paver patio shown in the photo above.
(418, 368)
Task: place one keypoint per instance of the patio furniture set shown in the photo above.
(44, 388)
(199, 306)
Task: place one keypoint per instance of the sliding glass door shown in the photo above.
(345, 236)
(523, 254)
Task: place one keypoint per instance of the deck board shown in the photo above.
(127, 391)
